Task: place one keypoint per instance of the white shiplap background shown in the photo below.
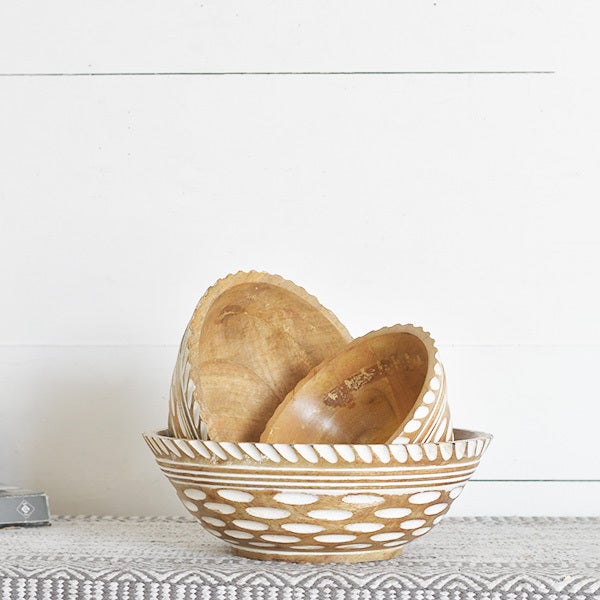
(148, 148)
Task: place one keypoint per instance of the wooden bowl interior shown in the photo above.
(256, 341)
(360, 396)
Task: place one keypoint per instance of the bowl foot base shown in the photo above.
(316, 557)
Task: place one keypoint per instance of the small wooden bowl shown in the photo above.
(385, 387)
(318, 502)
(251, 338)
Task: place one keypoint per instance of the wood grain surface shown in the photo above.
(366, 393)
(252, 337)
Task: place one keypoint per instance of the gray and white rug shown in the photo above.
(161, 558)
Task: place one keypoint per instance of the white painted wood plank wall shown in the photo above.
(463, 202)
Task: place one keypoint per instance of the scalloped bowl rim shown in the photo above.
(322, 474)
(467, 444)
(460, 435)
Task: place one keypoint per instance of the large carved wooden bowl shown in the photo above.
(251, 338)
(318, 502)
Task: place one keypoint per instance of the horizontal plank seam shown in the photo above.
(266, 73)
(536, 480)
(158, 345)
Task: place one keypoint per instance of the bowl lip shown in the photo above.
(460, 436)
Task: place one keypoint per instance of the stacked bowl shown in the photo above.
(289, 440)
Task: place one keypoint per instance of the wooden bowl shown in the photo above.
(385, 387)
(318, 502)
(251, 338)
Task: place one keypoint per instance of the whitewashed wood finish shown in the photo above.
(467, 444)
(183, 411)
(436, 420)
(318, 502)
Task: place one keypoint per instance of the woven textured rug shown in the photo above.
(172, 558)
